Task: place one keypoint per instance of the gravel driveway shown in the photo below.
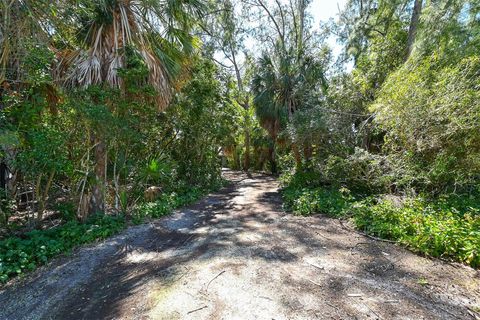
(237, 255)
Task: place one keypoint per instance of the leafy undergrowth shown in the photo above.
(166, 203)
(448, 228)
(19, 255)
(305, 201)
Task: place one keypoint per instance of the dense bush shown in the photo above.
(431, 113)
(361, 171)
(402, 124)
(169, 201)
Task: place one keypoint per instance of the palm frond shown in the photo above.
(159, 31)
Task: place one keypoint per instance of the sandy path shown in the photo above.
(237, 255)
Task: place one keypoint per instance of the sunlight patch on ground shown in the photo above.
(139, 257)
(211, 287)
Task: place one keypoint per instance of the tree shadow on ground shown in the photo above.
(226, 225)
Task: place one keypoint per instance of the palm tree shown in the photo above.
(282, 86)
(156, 31)
(270, 99)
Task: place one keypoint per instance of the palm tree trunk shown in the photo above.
(273, 160)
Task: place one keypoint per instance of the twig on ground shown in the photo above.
(183, 274)
(317, 284)
(218, 275)
(373, 311)
(473, 313)
(186, 240)
(198, 309)
(314, 265)
(354, 295)
(337, 310)
(321, 235)
(332, 305)
(356, 245)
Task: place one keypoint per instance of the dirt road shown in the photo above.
(237, 255)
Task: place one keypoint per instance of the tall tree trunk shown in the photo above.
(297, 155)
(273, 161)
(301, 13)
(236, 159)
(412, 31)
(97, 201)
(247, 148)
(42, 195)
(246, 106)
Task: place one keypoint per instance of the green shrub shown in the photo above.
(447, 227)
(430, 112)
(168, 202)
(301, 179)
(438, 230)
(18, 255)
(306, 201)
